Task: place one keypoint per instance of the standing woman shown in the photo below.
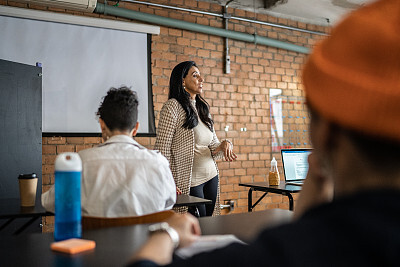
(186, 137)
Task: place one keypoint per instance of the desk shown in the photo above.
(281, 189)
(115, 246)
(244, 226)
(11, 209)
(191, 201)
(186, 200)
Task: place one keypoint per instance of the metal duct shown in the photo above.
(184, 25)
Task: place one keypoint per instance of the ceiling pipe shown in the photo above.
(184, 25)
(221, 16)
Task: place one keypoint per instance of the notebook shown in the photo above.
(295, 165)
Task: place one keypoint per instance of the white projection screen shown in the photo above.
(79, 64)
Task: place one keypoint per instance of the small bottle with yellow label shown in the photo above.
(273, 176)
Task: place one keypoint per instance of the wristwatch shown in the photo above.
(164, 227)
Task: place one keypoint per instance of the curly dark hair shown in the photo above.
(119, 109)
(177, 91)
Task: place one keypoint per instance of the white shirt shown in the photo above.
(121, 178)
(204, 168)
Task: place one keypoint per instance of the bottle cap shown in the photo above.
(68, 162)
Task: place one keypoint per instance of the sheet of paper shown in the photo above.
(207, 243)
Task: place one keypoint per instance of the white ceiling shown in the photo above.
(320, 12)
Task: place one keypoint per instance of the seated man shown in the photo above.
(121, 178)
(348, 211)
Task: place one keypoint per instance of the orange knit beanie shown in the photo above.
(352, 78)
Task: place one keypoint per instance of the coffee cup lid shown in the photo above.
(27, 176)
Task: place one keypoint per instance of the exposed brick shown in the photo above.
(181, 41)
(47, 169)
(56, 140)
(175, 32)
(203, 53)
(65, 148)
(92, 140)
(48, 149)
(239, 99)
(74, 140)
(48, 159)
(203, 21)
(258, 68)
(197, 43)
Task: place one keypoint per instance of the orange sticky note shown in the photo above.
(73, 245)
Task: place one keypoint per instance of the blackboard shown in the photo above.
(80, 63)
(21, 123)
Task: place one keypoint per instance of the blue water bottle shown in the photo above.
(68, 169)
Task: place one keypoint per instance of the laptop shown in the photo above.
(295, 165)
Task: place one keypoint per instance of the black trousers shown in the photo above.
(208, 190)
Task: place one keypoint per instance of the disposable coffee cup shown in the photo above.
(27, 189)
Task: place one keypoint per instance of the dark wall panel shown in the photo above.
(21, 125)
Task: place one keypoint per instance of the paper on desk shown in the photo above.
(207, 243)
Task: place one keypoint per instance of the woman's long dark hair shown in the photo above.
(177, 91)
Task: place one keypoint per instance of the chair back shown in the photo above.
(89, 222)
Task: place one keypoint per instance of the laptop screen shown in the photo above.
(295, 163)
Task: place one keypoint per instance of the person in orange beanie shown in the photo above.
(348, 211)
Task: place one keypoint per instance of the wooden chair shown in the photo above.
(89, 222)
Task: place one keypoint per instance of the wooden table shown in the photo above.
(282, 189)
(115, 246)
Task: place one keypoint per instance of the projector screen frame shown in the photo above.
(152, 127)
(97, 23)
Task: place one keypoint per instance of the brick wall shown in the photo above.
(238, 100)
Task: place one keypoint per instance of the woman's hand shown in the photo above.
(178, 191)
(227, 148)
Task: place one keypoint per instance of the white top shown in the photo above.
(122, 178)
(204, 167)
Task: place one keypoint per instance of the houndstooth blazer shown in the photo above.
(177, 145)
